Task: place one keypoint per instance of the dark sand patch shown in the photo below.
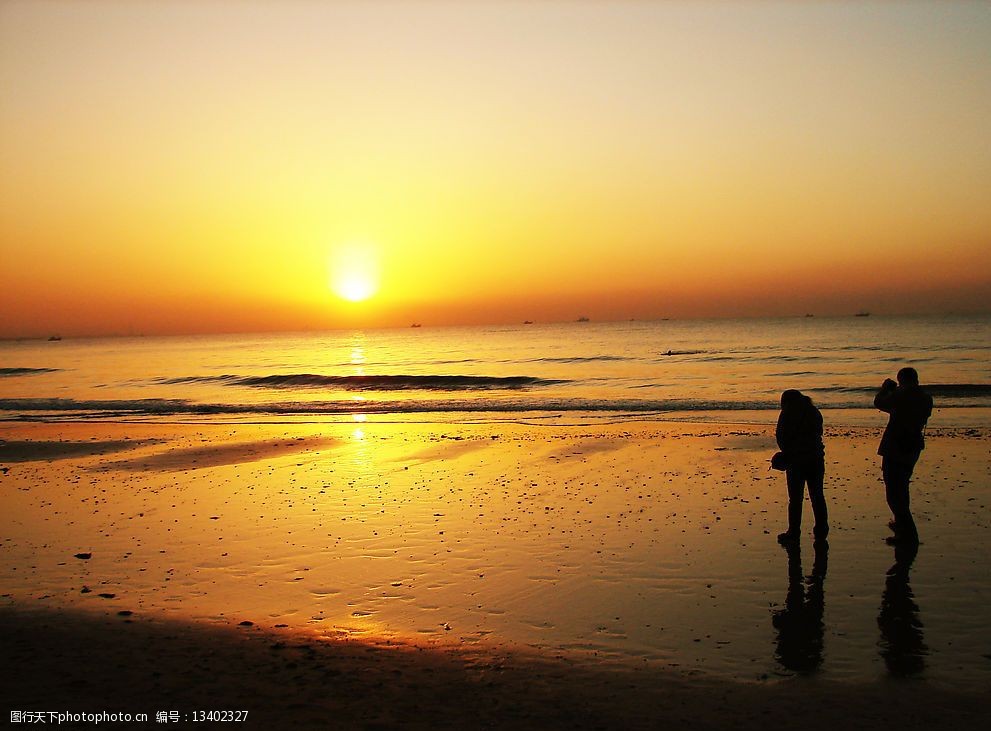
(747, 441)
(74, 661)
(594, 445)
(445, 450)
(217, 455)
(45, 451)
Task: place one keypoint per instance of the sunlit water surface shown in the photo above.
(666, 369)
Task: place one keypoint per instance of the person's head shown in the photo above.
(791, 398)
(908, 376)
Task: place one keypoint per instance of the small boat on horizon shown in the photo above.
(54, 338)
(416, 324)
(863, 313)
(582, 319)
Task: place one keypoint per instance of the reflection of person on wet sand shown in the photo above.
(901, 644)
(799, 437)
(799, 623)
(908, 408)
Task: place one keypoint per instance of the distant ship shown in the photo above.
(54, 338)
(582, 319)
(528, 322)
(416, 324)
(863, 314)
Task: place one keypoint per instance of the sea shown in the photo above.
(700, 370)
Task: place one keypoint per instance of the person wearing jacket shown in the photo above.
(799, 437)
(908, 408)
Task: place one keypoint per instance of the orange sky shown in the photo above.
(200, 167)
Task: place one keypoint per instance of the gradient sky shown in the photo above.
(201, 166)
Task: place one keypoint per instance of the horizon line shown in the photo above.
(582, 320)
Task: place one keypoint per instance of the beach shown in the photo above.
(80, 662)
(386, 573)
(420, 365)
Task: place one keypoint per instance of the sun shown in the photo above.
(355, 288)
(354, 272)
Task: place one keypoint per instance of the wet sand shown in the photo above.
(189, 458)
(76, 661)
(383, 575)
(38, 451)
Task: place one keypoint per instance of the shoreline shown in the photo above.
(946, 419)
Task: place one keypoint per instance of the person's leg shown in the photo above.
(816, 478)
(889, 473)
(907, 530)
(897, 473)
(796, 496)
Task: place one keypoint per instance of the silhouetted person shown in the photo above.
(901, 643)
(909, 408)
(799, 624)
(799, 436)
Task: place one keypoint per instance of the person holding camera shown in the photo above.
(799, 437)
(908, 408)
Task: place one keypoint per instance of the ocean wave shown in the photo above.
(959, 389)
(963, 395)
(785, 358)
(25, 371)
(581, 359)
(842, 389)
(719, 358)
(571, 360)
(937, 390)
(177, 407)
(373, 383)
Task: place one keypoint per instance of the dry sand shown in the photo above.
(496, 575)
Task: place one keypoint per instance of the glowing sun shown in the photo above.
(354, 272)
